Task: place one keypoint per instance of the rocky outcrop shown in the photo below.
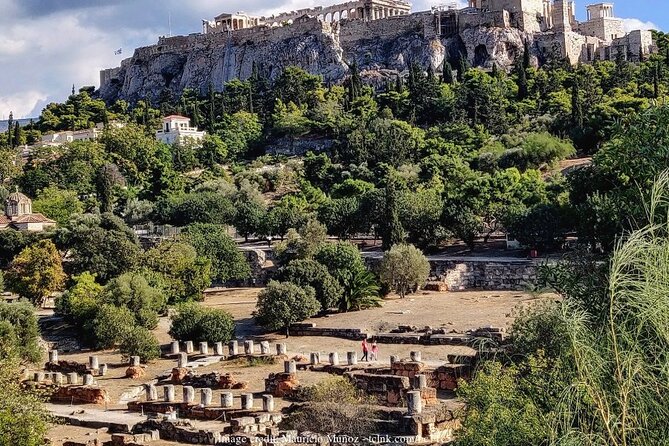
(381, 49)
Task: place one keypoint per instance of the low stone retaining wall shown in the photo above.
(310, 329)
(237, 418)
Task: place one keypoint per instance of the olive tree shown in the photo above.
(404, 268)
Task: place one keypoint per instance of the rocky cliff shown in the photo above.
(380, 48)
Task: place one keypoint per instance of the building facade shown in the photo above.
(19, 215)
(60, 138)
(177, 130)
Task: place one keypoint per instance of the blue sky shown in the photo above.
(48, 45)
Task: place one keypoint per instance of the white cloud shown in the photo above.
(10, 47)
(21, 104)
(635, 24)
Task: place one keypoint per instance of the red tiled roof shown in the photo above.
(176, 116)
(4, 220)
(32, 218)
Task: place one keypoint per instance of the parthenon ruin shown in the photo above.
(366, 10)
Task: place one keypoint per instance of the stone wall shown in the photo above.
(299, 147)
(310, 329)
(479, 274)
(462, 275)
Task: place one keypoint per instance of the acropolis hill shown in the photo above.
(381, 36)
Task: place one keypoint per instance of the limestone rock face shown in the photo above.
(381, 49)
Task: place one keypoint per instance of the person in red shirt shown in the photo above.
(365, 350)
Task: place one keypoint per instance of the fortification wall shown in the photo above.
(489, 19)
(351, 32)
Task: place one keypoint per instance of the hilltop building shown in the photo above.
(60, 138)
(19, 215)
(381, 36)
(176, 129)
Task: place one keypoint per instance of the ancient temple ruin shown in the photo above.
(362, 10)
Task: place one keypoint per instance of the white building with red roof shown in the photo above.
(19, 215)
(177, 130)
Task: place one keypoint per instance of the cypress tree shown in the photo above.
(17, 134)
(354, 83)
(495, 71)
(576, 106)
(211, 108)
(462, 68)
(526, 56)
(10, 129)
(656, 80)
(447, 74)
(430, 74)
(393, 232)
(522, 82)
(399, 84)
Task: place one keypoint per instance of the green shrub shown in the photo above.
(132, 290)
(20, 333)
(80, 302)
(139, 341)
(307, 272)
(110, 325)
(200, 324)
(334, 405)
(24, 420)
(282, 304)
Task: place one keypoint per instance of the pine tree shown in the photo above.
(447, 74)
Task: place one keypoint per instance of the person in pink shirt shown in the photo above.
(375, 352)
(365, 350)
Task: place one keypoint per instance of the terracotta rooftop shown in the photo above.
(32, 218)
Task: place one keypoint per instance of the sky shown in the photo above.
(46, 46)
